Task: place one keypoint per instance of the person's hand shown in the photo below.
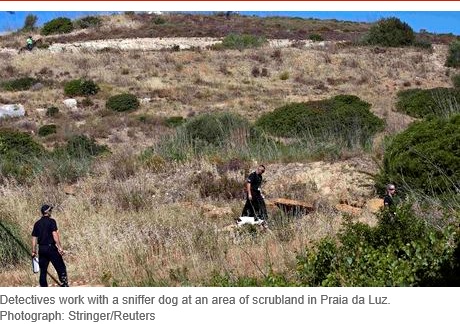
(34, 254)
(61, 251)
(250, 197)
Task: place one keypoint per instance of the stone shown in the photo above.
(70, 103)
(13, 110)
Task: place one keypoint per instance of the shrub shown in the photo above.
(240, 42)
(10, 253)
(217, 187)
(174, 121)
(427, 102)
(453, 58)
(81, 87)
(316, 37)
(29, 22)
(88, 22)
(46, 130)
(20, 84)
(399, 251)
(425, 157)
(456, 81)
(213, 129)
(158, 20)
(52, 111)
(390, 32)
(284, 76)
(59, 25)
(82, 146)
(122, 102)
(343, 116)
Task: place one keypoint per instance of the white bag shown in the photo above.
(35, 265)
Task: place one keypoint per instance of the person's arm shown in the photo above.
(248, 189)
(58, 242)
(34, 246)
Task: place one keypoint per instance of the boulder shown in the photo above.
(14, 110)
(70, 103)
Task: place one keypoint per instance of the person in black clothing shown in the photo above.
(45, 234)
(388, 201)
(255, 204)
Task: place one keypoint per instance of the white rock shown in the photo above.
(70, 103)
(14, 110)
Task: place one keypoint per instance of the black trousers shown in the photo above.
(255, 207)
(47, 254)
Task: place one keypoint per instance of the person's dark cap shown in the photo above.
(46, 208)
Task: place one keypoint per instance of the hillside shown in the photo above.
(148, 211)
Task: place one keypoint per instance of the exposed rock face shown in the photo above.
(70, 103)
(13, 110)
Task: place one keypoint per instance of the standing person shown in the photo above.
(388, 199)
(255, 204)
(45, 234)
(30, 43)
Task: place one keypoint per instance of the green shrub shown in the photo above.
(427, 102)
(346, 117)
(453, 58)
(174, 121)
(284, 75)
(316, 37)
(59, 25)
(213, 129)
(46, 130)
(240, 42)
(10, 253)
(81, 87)
(83, 146)
(122, 102)
(425, 157)
(400, 251)
(88, 22)
(52, 111)
(158, 20)
(29, 23)
(20, 84)
(456, 81)
(390, 32)
(217, 187)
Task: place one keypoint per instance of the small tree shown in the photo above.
(453, 59)
(391, 32)
(59, 25)
(29, 22)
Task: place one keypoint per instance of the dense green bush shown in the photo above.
(88, 22)
(402, 250)
(81, 87)
(122, 102)
(214, 129)
(456, 81)
(52, 111)
(83, 146)
(453, 58)
(316, 37)
(427, 102)
(46, 130)
(344, 116)
(234, 41)
(19, 84)
(425, 157)
(59, 25)
(390, 32)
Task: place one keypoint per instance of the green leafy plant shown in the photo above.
(390, 32)
(81, 87)
(19, 84)
(123, 102)
(316, 37)
(88, 22)
(46, 130)
(453, 57)
(456, 81)
(174, 121)
(240, 42)
(59, 25)
(29, 23)
(52, 111)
